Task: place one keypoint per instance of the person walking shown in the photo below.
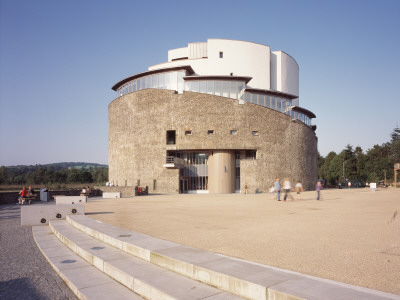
(277, 186)
(299, 189)
(318, 188)
(287, 187)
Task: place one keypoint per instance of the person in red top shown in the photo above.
(23, 193)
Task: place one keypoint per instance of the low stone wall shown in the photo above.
(126, 191)
(12, 197)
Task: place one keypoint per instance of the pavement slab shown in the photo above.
(350, 236)
(24, 272)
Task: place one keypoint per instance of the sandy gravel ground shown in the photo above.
(351, 236)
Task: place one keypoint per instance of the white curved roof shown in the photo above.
(276, 70)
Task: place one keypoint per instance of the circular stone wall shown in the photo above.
(138, 123)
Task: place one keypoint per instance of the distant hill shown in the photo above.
(61, 166)
(61, 173)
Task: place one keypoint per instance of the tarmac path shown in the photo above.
(24, 272)
(351, 236)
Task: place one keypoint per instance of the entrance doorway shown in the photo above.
(183, 186)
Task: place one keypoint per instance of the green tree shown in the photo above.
(334, 170)
(361, 160)
(324, 169)
(100, 175)
(395, 145)
(349, 163)
(3, 175)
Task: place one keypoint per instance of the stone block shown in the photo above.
(111, 194)
(41, 214)
(70, 199)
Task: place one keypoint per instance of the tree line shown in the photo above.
(54, 173)
(352, 164)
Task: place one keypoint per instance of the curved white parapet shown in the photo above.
(225, 57)
(284, 73)
(275, 71)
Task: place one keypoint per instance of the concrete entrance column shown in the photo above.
(221, 172)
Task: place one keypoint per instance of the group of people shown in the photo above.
(287, 188)
(85, 191)
(24, 193)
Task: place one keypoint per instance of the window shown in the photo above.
(161, 81)
(225, 88)
(210, 132)
(261, 100)
(210, 87)
(203, 87)
(250, 154)
(233, 131)
(188, 132)
(170, 137)
(154, 81)
(218, 88)
(254, 98)
(195, 86)
(148, 82)
(167, 81)
(221, 54)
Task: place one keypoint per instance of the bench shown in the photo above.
(28, 199)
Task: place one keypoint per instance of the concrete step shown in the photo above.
(83, 279)
(142, 277)
(242, 278)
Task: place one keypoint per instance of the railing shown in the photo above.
(174, 160)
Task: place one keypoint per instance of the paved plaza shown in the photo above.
(24, 272)
(351, 236)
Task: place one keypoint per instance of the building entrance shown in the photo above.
(183, 186)
(194, 176)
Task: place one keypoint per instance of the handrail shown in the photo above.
(174, 160)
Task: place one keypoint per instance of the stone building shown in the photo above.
(218, 116)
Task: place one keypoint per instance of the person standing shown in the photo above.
(277, 186)
(299, 189)
(349, 184)
(318, 188)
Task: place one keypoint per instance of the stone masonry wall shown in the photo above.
(137, 139)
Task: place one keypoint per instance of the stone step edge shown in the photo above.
(229, 284)
(138, 286)
(98, 262)
(226, 282)
(87, 293)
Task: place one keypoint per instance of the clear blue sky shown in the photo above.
(59, 59)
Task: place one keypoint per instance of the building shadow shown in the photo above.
(20, 288)
(99, 213)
